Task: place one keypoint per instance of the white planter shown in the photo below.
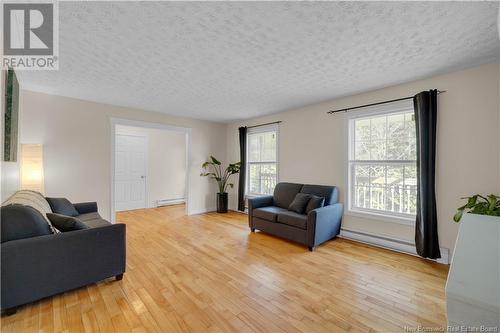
(473, 286)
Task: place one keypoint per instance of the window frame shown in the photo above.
(378, 110)
(254, 130)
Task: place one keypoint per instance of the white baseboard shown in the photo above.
(168, 202)
(397, 245)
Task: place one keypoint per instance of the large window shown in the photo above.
(382, 163)
(262, 166)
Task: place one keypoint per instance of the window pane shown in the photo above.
(262, 147)
(397, 149)
(377, 150)
(410, 125)
(377, 187)
(262, 178)
(361, 193)
(254, 148)
(362, 150)
(385, 187)
(410, 183)
(394, 190)
(378, 128)
(396, 127)
(362, 130)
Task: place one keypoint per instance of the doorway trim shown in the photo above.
(137, 123)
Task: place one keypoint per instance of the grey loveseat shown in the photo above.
(270, 214)
(35, 266)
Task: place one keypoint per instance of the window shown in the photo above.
(382, 162)
(262, 164)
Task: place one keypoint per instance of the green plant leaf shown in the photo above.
(472, 201)
(478, 204)
(492, 202)
(458, 216)
(215, 161)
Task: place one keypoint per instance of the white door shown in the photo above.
(130, 172)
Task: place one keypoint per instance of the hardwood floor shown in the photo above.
(208, 273)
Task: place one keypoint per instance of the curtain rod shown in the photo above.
(274, 122)
(378, 103)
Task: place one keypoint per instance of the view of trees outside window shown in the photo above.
(261, 162)
(383, 163)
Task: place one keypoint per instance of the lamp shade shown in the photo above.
(32, 167)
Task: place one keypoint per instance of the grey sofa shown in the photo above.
(270, 214)
(35, 267)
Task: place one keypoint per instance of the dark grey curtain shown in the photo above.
(243, 160)
(426, 233)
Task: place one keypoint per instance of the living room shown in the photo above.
(342, 185)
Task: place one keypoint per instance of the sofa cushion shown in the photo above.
(93, 220)
(66, 223)
(89, 216)
(315, 202)
(19, 221)
(293, 219)
(284, 193)
(299, 203)
(269, 213)
(330, 193)
(97, 223)
(62, 206)
(35, 200)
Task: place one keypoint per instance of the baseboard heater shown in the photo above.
(389, 243)
(168, 202)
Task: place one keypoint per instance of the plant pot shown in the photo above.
(222, 202)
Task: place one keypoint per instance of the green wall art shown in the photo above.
(11, 117)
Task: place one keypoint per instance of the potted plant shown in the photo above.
(473, 284)
(213, 169)
(478, 204)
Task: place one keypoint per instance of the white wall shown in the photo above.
(76, 135)
(312, 145)
(167, 162)
(10, 177)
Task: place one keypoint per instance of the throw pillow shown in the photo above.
(62, 206)
(20, 221)
(66, 223)
(35, 200)
(299, 203)
(315, 202)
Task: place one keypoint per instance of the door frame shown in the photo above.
(146, 166)
(137, 123)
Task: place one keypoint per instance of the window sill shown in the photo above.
(255, 195)
(381, 217)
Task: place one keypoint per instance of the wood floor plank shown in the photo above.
(208, 273)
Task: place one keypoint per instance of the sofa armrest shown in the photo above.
(37, 267)
(324, 223)
(262, 201)
(258, 202)
(86, 207)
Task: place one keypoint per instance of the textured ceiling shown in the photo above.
(224, 61)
